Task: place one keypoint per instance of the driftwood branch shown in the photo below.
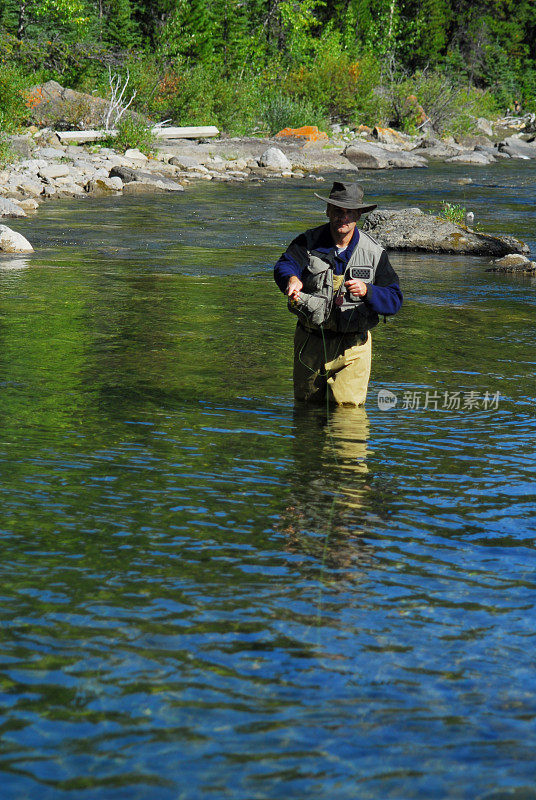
(117, 106)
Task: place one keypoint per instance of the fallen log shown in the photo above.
(83, 137)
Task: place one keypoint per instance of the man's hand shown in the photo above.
(356, 287)
(294, 286)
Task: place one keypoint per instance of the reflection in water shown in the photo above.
(329, 486)
(14, 262)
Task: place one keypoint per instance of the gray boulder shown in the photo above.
(28, 187)
(517, 148)
(410, 229)
(104, 186)
(274, 159)
(21, 145)
(473, 157)
(13, 242)
(49, 153)
(151, 180)
(10, 209)
(29, 204)
(66, 109)
(54, 171)
(514, 263)
(470, 141)
(431, 147)
(184, 162)
(365, 155)
(488, 149)
(484, 126)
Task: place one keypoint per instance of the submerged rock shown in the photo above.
(410, 229)
(13, 242)
(514, 263)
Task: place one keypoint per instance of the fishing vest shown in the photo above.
(324, 302)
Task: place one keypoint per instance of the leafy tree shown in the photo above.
(72, 12)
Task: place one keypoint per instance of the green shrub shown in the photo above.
(14, 98)
(342, 87)
(7, 156)
(131, 133)
(200, 95)
(453, 213)
(449, 107)
(281, 111)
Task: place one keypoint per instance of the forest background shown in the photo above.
(260, 65)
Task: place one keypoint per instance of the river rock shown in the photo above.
(69, 189)
(274, 159)
(29, 204)
(435, 148)
(514, 263)
(102, 186)
(470, 141)
(517, 148)
(13, 242)
(21, 145)
(484, 126)
(32, 165)
(29, 187)
(49, 153)
(151, 180)
(392, 137)
(410, 229)
(136, 155)
(161, 185)
(365, 155)
(473, 157)
(185, 162)
(8, 208)
(54, 171)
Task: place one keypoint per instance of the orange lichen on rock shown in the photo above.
(33, 97)
(309, 132)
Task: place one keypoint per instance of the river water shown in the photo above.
(206, 593)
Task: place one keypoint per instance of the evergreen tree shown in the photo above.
(120, 28)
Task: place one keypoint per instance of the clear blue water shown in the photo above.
(207, 593)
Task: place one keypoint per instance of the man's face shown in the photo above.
(342, 221)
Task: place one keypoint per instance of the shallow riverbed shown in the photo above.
(206, 593)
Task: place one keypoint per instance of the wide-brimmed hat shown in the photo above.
(347, 195)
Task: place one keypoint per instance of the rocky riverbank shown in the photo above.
(48, 168)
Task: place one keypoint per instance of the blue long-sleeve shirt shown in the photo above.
(383, 296)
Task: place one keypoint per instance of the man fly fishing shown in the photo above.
(338, 281)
